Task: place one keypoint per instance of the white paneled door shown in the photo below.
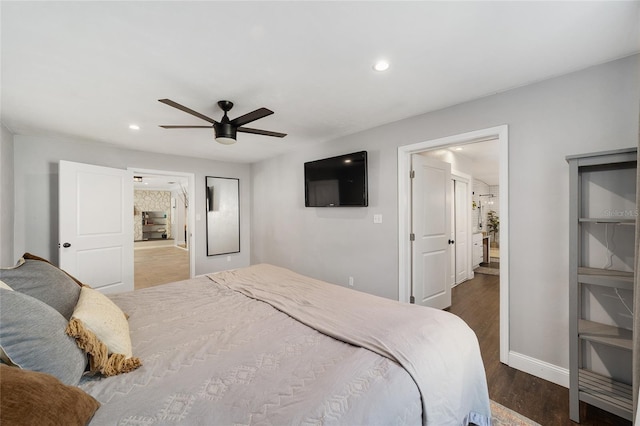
(461, 215)
(431, 229)
(96, 225)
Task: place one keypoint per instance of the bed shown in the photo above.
(264, 345)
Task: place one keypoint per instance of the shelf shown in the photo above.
(605, 393)
(616, 220)
(606, 277)
(152, 220)
(605, 334)
(584, 270)
(601, 184)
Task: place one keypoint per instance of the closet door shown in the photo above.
(461, 230)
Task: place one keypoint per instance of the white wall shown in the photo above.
(6, 198)
(328, 243)
(36, 183)
(590, 110)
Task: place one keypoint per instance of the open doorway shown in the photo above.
(162, 227)
(476, 206)
(405, 153)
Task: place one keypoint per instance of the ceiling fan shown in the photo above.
(225, 130)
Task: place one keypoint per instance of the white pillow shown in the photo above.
(105, 319)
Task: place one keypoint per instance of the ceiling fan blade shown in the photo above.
(261, 132)
(251, 116)
(186, 127)
(187, 110)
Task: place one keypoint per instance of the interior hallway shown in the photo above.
(160, 265)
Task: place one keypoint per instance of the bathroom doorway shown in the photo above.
(486, 198)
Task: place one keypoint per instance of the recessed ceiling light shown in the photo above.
(458, 148)
(381, 65)
(134, 127)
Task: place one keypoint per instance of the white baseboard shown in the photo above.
(535, 367)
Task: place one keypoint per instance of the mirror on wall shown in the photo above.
(223, 215)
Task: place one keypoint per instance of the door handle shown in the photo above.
(66, 245)
(451, 241)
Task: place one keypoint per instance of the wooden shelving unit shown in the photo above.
(605, 393)
(601, 183)
(154, 225)
(606, 278)
(606, 334)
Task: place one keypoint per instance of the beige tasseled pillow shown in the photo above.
(102, 331)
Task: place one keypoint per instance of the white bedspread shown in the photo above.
(438, 349)
(212, 356)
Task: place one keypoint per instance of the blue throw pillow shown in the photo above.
(45, 282)
(32, 336)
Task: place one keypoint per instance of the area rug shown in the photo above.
(502, 416)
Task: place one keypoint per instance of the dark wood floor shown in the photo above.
(477, 302)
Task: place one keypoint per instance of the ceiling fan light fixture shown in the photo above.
(225, 140)
(225, 132)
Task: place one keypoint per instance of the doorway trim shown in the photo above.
(191, 212)
(404, 215)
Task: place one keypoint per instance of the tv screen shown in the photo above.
(337, 181)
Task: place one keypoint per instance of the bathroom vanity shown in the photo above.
(480, 249)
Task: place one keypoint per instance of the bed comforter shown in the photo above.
(263, 345)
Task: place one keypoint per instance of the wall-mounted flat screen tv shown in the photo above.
(337, 181)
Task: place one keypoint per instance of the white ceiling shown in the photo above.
(485, 159)
(154, 182)
(87, 70)
(480, 159)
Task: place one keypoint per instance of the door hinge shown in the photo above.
(412, 299)
(412, 174)
(412, 237)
